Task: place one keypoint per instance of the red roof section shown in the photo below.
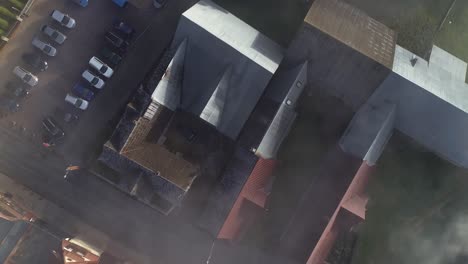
(253, 191)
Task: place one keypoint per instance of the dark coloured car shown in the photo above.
(36, 61)
(124, 29)
(81, 91)
(53, 133)
(16, 90)
(159, 3)
(9, 105)
(83, 3)
(116, 41)
(110, 57)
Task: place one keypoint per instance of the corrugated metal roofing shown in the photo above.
(255, 187)
(220, 69)
(236, 33)
(168, 91)
(254, 191)
(286, 114)
(443, 76)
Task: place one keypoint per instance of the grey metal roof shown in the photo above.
(369, 131)
(220, 69)
(236, 33)
(431, 100)
(443, 76)
(169, 88)
(286, 114)
(212, 113)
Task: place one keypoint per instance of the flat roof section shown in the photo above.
(354, 28)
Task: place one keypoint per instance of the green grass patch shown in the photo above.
(4, 24)
(16, 3)
(453, 35)
(5, 13)
(415, 199)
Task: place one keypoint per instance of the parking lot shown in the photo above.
(154, 29)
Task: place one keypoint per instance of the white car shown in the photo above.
(26, 76)
(54, 34)
(95, 81)
(44, 47)
(77, 102)
(64, 19)
(101, 67)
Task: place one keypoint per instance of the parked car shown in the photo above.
(83, 3)
(116, 41)
(35, 61)
(53, 133)
(8, 105)
(25, 76)
(159, 3)
(121, 3)
(54, 34)
(81, 91)
(44, 47)
(110, 56)
(123, 29)
(92, 79)
(64, 19)
(65, 116)
(77, 102)
(101, 67)
(16, 90)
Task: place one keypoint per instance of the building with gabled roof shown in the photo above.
(187, 126)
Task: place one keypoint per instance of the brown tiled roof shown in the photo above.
(156, 157)
(354, 28)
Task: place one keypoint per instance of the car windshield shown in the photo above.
(27, 78)
(103, 69)
(54, 35)
(78, 103)
(94, 81)
(65, 20)
(47, 48)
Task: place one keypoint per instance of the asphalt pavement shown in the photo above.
(142, 229)
(162, 239)
(97, 122)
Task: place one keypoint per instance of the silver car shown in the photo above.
(54, 34)
(64, 19)
(94, 80)
(25, 76)
(44, 47)
(101, 67)
(76, 101)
